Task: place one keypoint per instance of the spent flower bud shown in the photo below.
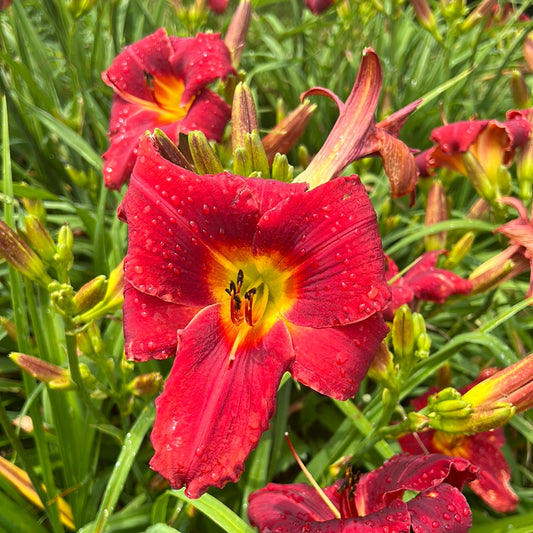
(20, 256)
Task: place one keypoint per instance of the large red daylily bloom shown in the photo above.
(356, 134)
(423, 281)
(160, 82)
(318, 6)
(520, 233)
(374, 502)
(481, 449)
(478, 149)
(250, 278)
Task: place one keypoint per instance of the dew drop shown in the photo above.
(138, 269)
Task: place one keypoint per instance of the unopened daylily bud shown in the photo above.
(9, 327)
(39, 238)
(203, 155)
(54, 376)
(452, 9)
(519, 90)
(512, 385)
(426, 18)
(484, 9)
(20, 256)
(478, 178)
(256, 152)
(436, 211)
(281, 170)
(78, 8)
(459, 250)
(65, 244)
(403, 340)
(503, 266)
(90, 294)
(243, 116)
(528, 50)
(303, 156)
(524, 168)
(170, 151)
(238, 29)
(147, 384)
(242, 165)
(62, 295)
(287, 132)
(112, 300)
(382, 367)
(35, 207)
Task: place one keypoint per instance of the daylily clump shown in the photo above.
(482, 449)
(423, 281)
(374, 501)
(244, 279)
(161, 82)
(478, 149)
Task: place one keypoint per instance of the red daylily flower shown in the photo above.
(520, 233)
(423, 281)
(374, 502)
(318, 6)
(481, 449)
(356, 135)
(249, 278)
(478, 149)
(218, 6)
(161, 81)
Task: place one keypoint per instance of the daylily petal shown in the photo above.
(201, 60)
(213, 410)
(443, 508)
(408, 472)
(346, 353)
(153, 334)
(338, 281)
(458, 136)
(167, 208)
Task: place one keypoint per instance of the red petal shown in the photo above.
(200, 60)
(494, 474)
(177, 221)
(208, 113)
(149, 55)
(318, 6)
(458, 136)
(377, 489)
(218, 6)
(443, 508)
(299, 509)
(329, 235)
(151, 325)
(345, 355)
(212, 413)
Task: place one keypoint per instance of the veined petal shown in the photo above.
(458, 136)
(443, 508)
(151, 325)
(214, 410)
(127, 74)
(377, 489)
(330, 238)
(200, 60)
(345, 355)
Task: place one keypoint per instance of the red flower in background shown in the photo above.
(218, 6)
(481, 449)
(520, 233)
(374, 502)
(249, 278)
(160, 82)
(318, 6)
(423, 281)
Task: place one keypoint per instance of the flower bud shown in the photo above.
(39, 238)
(459, 250)
(242, 166)
(524, 167)
(78, 8)
(54, 376)
(528, 50)
(479, 178)
(169, 150)
(382, 367)
(35, 207)
(20, 256)
(426, 18)
(90, 294)
(65, 243)
(484, 9)
(256, 153)
(436, 211)
(281, 170)
(287, 132)
(519, 90)
(9, 327)
(147, 384)
(203, 155)
(243, 116)
(403, 340)
(238, 29)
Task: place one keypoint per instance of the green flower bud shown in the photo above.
(203, 155)
(90, 294)
(65, 243)
(243, 116)
(39, 238)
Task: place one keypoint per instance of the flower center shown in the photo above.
(167, 91)
(259, 295)
(348, 504)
